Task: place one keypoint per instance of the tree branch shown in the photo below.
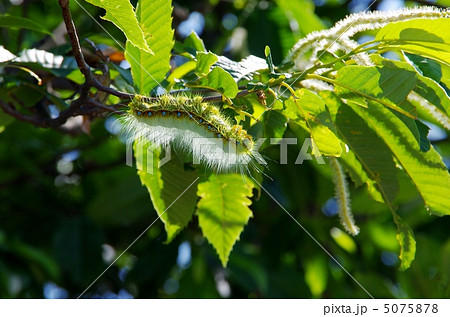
(73, 37)
(8, 109)
(39, 121)
(79, 57)
(86, 104)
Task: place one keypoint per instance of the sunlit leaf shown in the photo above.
(426, 87)
(359, 175)
(405, 237)
(223, 210)
(181, 71)
(204, 62)
(372, 153)
(302, 12)
(309, 110)
(171, 188)
(386, 85)
(271, 123)
(194, 43)
(427, 67)
(327, 57)
(426, 169)
(423, 130)
(121, 13)
(14, 22)
(435, 94)
(427, 37)
(269, 61)
(150, 68)
(218, 80)
(344, 240)
(316, 274)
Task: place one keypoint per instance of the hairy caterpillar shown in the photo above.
(194, 128)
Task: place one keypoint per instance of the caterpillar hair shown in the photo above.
(195, 128)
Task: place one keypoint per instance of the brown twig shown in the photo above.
(39, 121)
(73, 36)
(79, 57)
(85, 104)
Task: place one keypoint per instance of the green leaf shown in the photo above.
(372, 153)
(412, 126)
(108, 211)
(274, 124)
(35, 256)
(387, 85)
(426, 37)
(223, 210)
(78, 248)
(5, 120)
(423, 130)
(149, 69)
(204, 62)
(218, 80)
(445, 80)
(124, 73)
(312, 109)
(344, 240)
(194, 42)
(27, 70)
(436, 106)
(171, 188)
(181, 71)
(269, 59)
(121, 13)
(358, 174)
(434, 93)
(425, 66)
(354, 168)
(426, 169)
(405, 237)
(302, 11)
(328, 57)
(316, 274)
(13, 22)
(25, 95)
(426, 87)
(271, 124)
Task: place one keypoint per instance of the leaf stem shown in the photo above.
(367, 96)
(359, 49)
(288, 87)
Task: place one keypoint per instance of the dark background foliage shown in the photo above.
(69, 205)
